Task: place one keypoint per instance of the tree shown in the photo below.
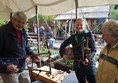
(2, 22)
(43, 18)
(113, 12)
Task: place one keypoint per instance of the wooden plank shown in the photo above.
(56, 77)
(32, 37)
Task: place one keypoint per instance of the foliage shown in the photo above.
(26, 28)
(44, 49)
(2, 22)
(98, 31)
(114, 12)
(43, 18)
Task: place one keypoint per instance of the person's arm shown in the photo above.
(35, 58)
(92, 45)
(64, 45)
(3, 65)
(30, 52)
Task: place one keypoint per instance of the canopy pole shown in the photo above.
(76, 6)
(10, 16)
(37, 26)
(38, 37)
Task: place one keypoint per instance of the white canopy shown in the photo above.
(46, 7)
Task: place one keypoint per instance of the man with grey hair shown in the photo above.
(108, 60)
(13, 50)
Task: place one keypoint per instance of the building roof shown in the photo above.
(89, 12)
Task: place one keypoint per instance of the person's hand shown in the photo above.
(36, 59)
(28, 60)
(86, 62)
(67, 57)
(12, 68)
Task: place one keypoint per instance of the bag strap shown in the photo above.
(76, 39)
(109, 59)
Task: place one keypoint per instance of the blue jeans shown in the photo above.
(84, 74)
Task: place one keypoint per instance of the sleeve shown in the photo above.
(92, 45)
(3, 66)
(28, 50)
(64, 45)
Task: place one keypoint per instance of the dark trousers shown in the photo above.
(84, 78)
(84, 74)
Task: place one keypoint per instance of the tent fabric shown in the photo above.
(46, 7)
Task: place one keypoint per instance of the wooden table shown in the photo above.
(56, 75)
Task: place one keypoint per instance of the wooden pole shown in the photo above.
(37, 26)
(76, 6)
